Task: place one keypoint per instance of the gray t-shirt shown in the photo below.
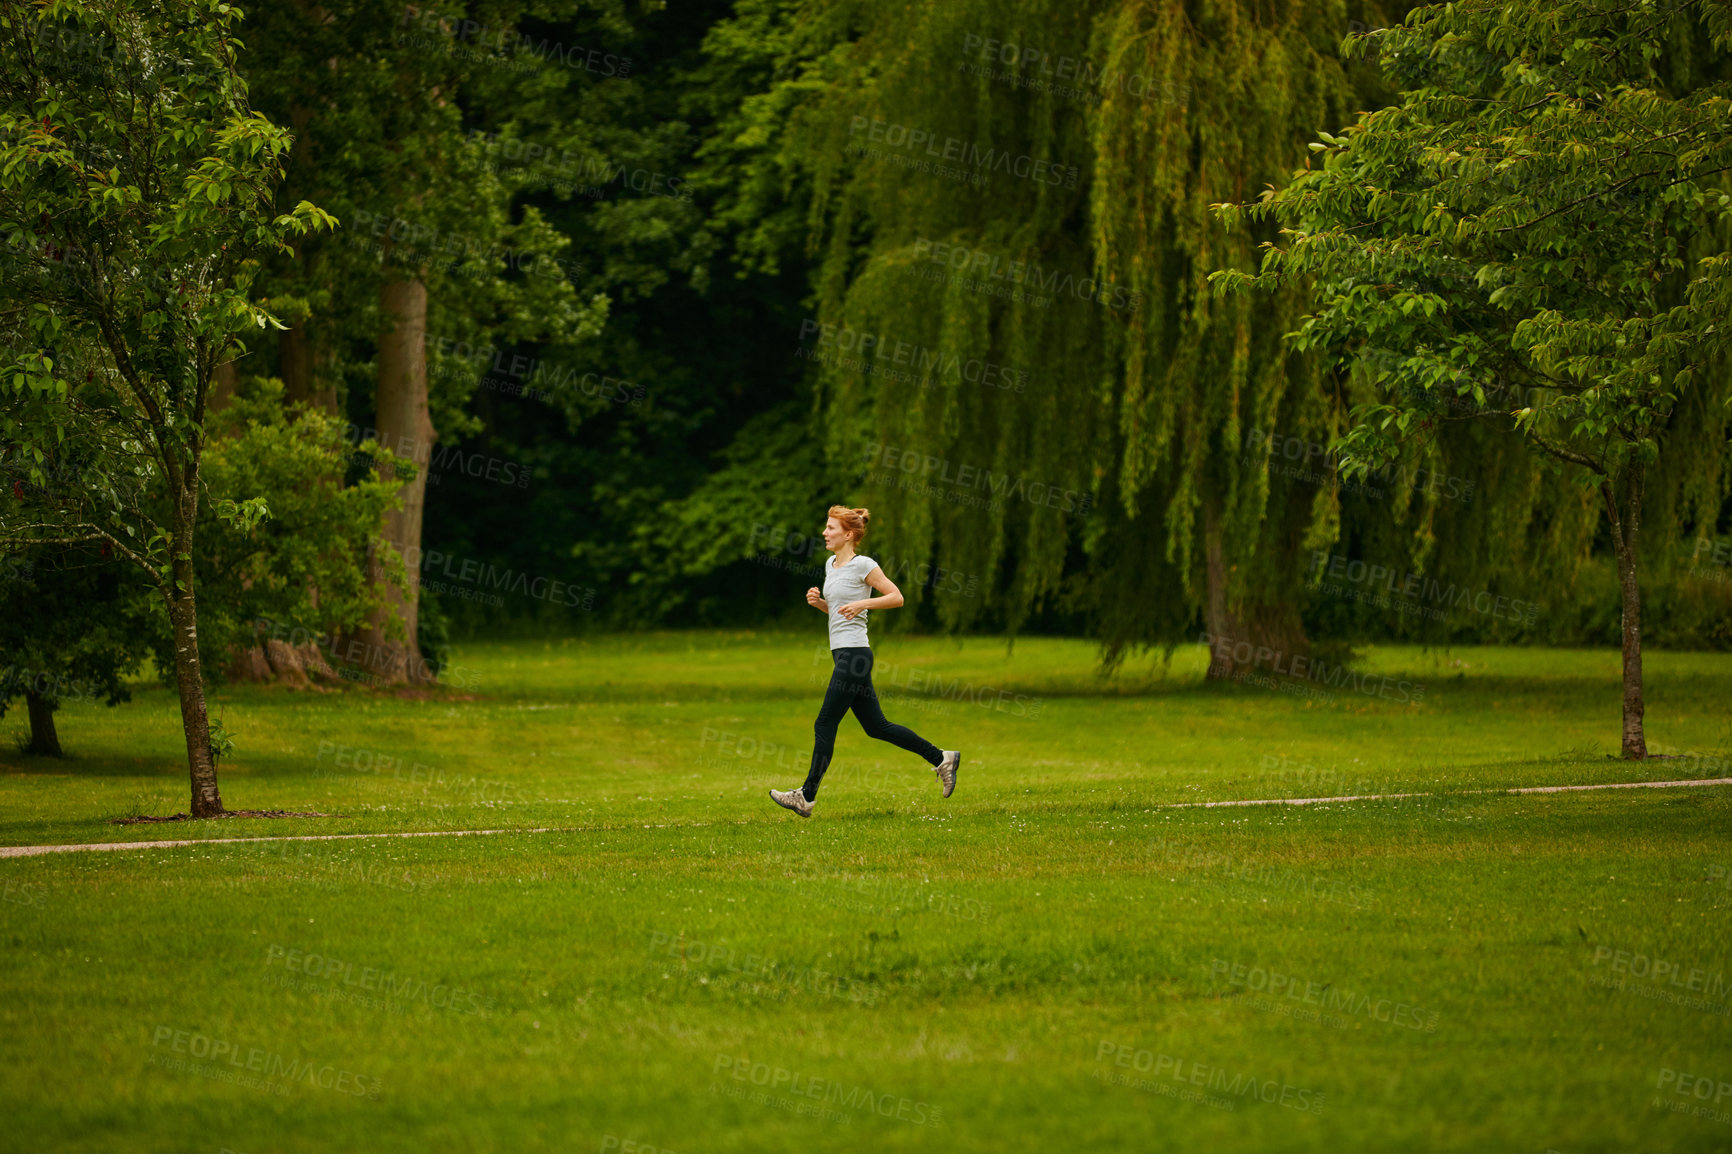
(843, 585)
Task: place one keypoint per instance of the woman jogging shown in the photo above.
(845, 601)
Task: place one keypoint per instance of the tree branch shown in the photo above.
(94, 533)
(1564, 454)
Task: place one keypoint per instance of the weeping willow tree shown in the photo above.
(1021, 357)
(1030, 370)
(973, 355)
(1217, 431)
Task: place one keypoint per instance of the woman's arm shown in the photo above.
(816, 600)
(891, 596)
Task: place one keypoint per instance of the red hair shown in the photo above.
(853, 521)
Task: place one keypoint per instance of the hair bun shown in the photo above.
(852, 520)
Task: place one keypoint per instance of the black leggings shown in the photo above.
(851, 688)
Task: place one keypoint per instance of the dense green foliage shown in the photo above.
(1538, 231)
(785, 305)
(73, 624)
(137, 194)
(303, 571)
(376, 96)
(136, 191)
(1544, 214)
(693, 274)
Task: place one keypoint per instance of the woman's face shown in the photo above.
(834, 535)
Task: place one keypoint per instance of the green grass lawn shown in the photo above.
(1054, 959)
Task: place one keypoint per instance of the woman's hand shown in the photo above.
(853, 607)
(815, 599)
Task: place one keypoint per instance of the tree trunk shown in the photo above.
(188, 673)
(1222, 628)
(223, 384)
(305, 368)
(1264, 638)
(44, 741)
(1624, 540)
(304, 363)
(406, 429)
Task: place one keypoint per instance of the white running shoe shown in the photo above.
(946, 770)
(792, 799)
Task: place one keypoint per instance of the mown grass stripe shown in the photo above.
(37, 850)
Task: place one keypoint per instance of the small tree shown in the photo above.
(135, 189)
(1544, 208)
(73, 623)
(308, 571)
(74, 620)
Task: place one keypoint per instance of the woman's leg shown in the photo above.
(873, 721)
(837, 697)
